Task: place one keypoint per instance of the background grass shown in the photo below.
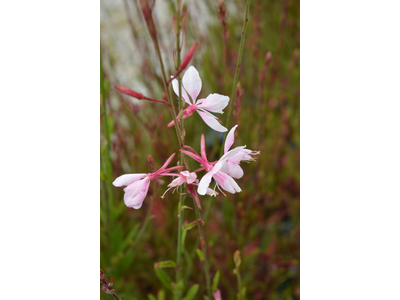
(263, 220)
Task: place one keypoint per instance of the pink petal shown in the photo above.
(178, 181)
(233, 170)
(135, 193)
(226, 182)
(230, 138)
(204, 183)
(165, 165)
(215, 103)
(175, 87)
(189, 177)
(128, 179)
(211, 121)
(196, 157)
(192, 83)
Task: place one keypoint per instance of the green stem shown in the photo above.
(178, 274)
(239, 282)
(239, 61)
(108, 163)
(203, 249)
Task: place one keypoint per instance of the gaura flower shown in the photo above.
(191, 87)
(232, 167)
(137, 185)
(222, 179)
(191, 180)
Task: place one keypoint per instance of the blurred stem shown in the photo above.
(108, 163)
(178, 274)
(203, 247)
(239, 61)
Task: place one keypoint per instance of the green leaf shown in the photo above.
(190, 225)
(183, 238)
(192, 292)
(200, 254)
(165, 264)
(185, 207)
(164, 278)
(206, 298)
(215, 281)
(151, 297)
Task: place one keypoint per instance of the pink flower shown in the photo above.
(184, 176)
(231, 167)
(191, 180)
(222, 179)
(137, 185)
(191, 87)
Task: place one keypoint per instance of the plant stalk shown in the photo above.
(239, 61)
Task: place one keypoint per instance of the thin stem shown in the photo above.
(239, 61)
(108, 163)
(203, 249)
(239, 282)
(178, 277)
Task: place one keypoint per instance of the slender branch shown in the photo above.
(178, 274)
(239, 61)
(203, 247)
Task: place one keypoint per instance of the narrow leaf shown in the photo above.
(164, 278)
(186, 207)
(215, 281)
(165, 264)
(190, 225)
(151, 297)
(200, 254)
(192, 292)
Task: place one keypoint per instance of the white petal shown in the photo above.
(135, 193)
(215, 103)
(232, 169)
(211, 121)
(230, 138)
(226, 182)
(128, 179)
(192, 82)
(204, 183)
(175, 87)
(222, 179)
(226, 156)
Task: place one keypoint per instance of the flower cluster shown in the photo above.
(223, 171)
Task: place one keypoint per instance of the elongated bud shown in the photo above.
(128, 92)
(189, 56)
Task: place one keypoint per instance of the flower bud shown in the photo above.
(189, 55)
(128, 92)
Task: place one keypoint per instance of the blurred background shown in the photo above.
(263, 220)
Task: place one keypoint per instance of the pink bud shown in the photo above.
(189, 56)
(128, 92)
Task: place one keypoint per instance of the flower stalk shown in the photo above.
(238, 64)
